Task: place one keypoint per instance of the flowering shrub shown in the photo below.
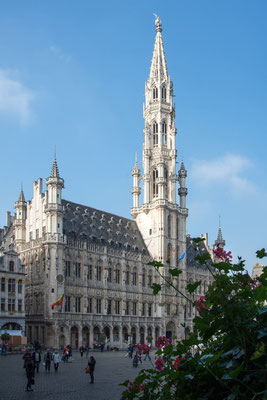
(230, 335)
(222, 254)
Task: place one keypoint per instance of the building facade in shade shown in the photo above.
(12, 294)
(97, 260)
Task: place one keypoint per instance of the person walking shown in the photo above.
(91, 365)
(36, 358)
(87, 350)
(27, 356)
(56, 359)
(146, 352)
(30, 374)
(81, 350)
(47, 360)
(135, 360)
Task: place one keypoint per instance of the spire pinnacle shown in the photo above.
(55, 172)
(220, 242)
(158, 68)
(21, 196)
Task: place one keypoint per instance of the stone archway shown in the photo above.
(142, 335)
(96, 334)
(125, 334)
(107, 332)
(170, 330)
(116, 334)
(74, 337)
(86, 336)
(62, 342)
(133, 335)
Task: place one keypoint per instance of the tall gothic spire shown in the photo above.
(21, 196)
(220, 242)
(158, 68)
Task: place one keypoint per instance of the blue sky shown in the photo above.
(72, 74)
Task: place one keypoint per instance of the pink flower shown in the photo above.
(159, 364)
(223, 255)
(162, 342)
(200, 304)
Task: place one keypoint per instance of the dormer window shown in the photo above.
(155, 93)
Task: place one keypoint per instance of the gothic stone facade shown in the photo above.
(99, 260)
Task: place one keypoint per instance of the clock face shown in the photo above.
(60, 278)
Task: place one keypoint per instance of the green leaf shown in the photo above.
(202, 258)
(125, 383)
(261, 253)
(258, 353)
(191, 287)
(175, 271)
(155, 264)
(156, 288)
(198, 239)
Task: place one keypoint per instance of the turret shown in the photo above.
(20, 220)
(182, 191)
(136, 189)
(53, 207)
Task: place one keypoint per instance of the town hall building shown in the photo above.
(94, 264)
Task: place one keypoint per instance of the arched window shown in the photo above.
(166, 182)
(155, 185)
(164, 132)
(155, 127)
(155, 93)
(163, 92)
(11, 266)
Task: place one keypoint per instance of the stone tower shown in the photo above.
(161, 221)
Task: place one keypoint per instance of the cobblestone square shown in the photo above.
(70, 382)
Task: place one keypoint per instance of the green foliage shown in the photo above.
(230, 332)
(5, 337)
(175, 271)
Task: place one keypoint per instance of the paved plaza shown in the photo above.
(70, 382)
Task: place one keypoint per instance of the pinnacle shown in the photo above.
(55, 172)
(158, 64)
(21, 196)
(220, 240)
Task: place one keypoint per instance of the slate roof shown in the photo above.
(192, 251)
(86, 223)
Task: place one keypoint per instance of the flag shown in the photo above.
(58, 302)
(182, 256)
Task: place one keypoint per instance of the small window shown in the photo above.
(127, 309)
(19, 305)
(11, 266)
(3, 285)
(98, 306)
(77, 304)
(155, 93)
(20, 286)
(67, 304)
(89, 306)
(109, 307)
(168, 309)
(117, 307)
(3, 304)
(150, 231)
(163, 93)
(134, 278)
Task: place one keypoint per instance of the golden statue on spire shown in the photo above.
(158, 23)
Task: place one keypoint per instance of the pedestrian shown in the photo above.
(30, 374)
(91, 365)
(56, 359)
(47, 360)
(81, 350)
(102, 347)
(135, 360)
(146, 352)
(36, 358)
(3, 349)
(87, 350)
(27, 356)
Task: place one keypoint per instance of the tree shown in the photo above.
(230, 334)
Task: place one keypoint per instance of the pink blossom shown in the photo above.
(162, 342)
(201, 304)
(176, 362)
(159, 364)
(223, 255)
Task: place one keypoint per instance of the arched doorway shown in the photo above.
(170, 330)
(125, 334)
(116, 334)
(74, 337)
(142, 335)
(107, 332)
(62, 341)
(149, 337)
(85, 336)
(133, 334)
(96, 334)
(156, 334)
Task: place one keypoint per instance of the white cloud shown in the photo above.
(15, 99)
(59, 53)
(226, 170)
